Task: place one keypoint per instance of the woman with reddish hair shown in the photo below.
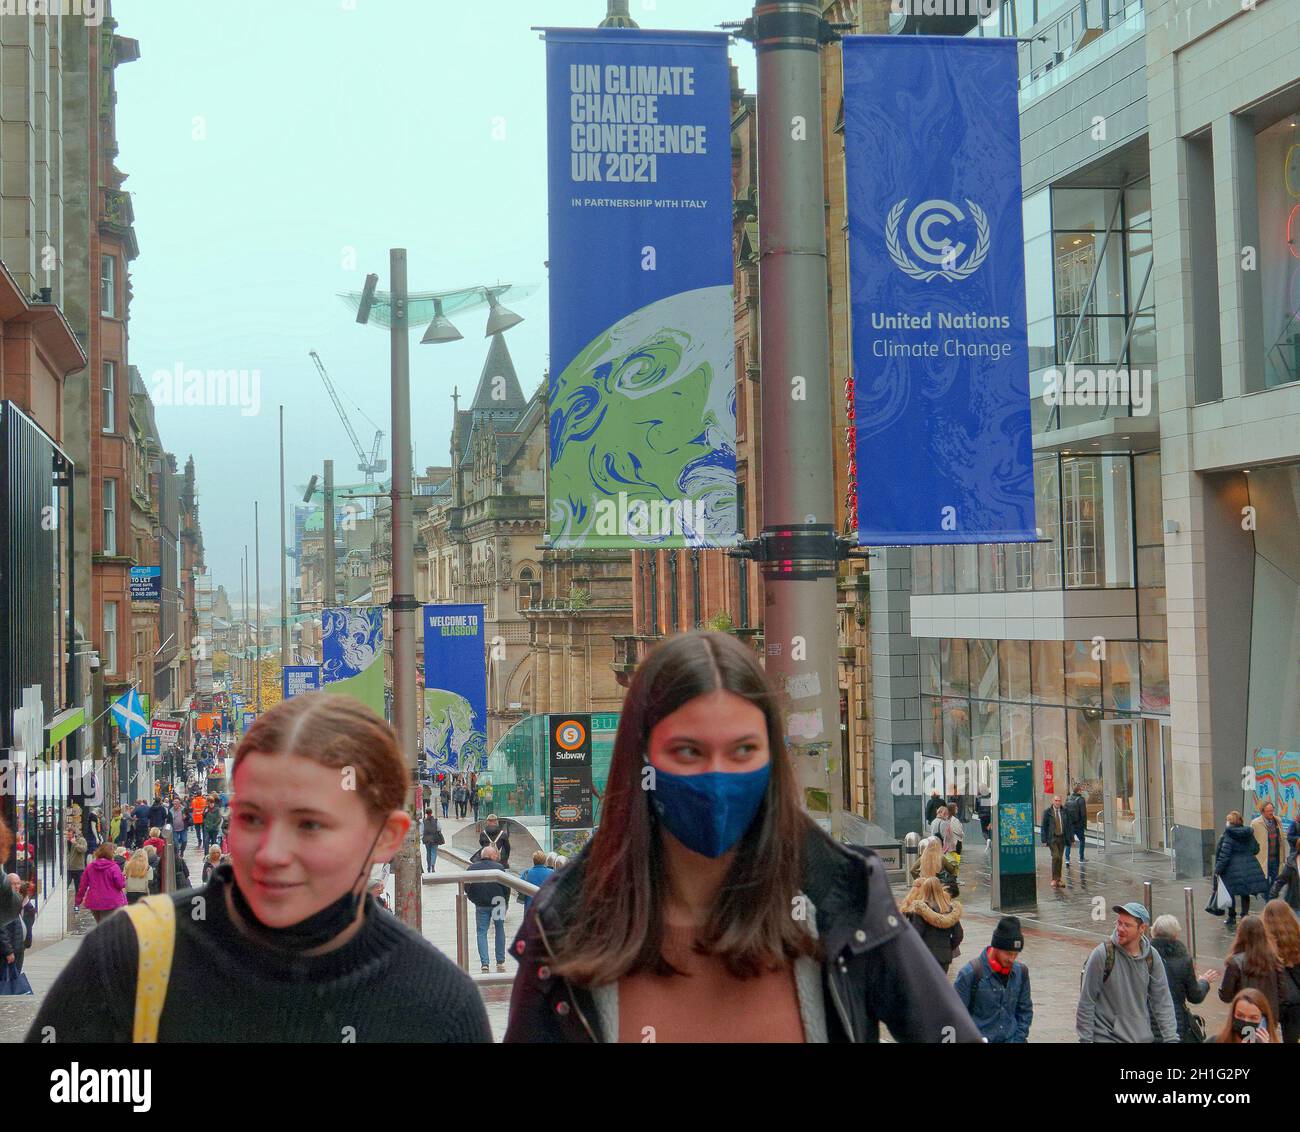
(284, 937)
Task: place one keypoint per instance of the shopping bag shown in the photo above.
(1220, 900)
(14, 981)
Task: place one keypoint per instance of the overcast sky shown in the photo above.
(275, 152)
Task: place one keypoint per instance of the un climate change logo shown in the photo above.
(941, 252)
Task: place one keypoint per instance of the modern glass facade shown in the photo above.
(518, 766)
(1093, 711)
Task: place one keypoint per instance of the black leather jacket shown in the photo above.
(874, 967)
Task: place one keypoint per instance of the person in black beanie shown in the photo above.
(994, 986)
(283, 941)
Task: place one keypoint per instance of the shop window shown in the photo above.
(966, 563)
(983, 669)
(1017, 731)
(1047, 679)
(920, 570)
(1013, 670)
(1277, 181)
(1047, 551)
(1049, 748)
(954, 667)
(929, 652)
(1154, 666)
(1120, 674)
(993, 567)
(1082, 674)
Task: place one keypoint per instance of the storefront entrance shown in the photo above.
(1137, 778)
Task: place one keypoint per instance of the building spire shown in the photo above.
(617, 15)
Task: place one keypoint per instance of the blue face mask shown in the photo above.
(709, 813)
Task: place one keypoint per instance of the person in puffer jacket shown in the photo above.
(994, 986)
(936, 918)
(103, 887)
(1236, 861)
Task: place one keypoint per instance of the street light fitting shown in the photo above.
(500, 318)
(440, 329)
(367, 298)
(311, 489)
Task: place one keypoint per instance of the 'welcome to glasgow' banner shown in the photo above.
(937, 290)
(455, 688)
(642, 389)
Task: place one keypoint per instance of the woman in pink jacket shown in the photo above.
(103, 887)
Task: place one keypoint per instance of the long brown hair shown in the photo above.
(1257, 999)
(1283, 932)
(617, 928)
(1252, 944)
(336, 731)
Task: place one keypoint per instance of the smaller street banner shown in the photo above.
(352, 660)
(642, 393)
(151, 745)
(146, 583)
(937, 291)
(570, 762)
(299, 678)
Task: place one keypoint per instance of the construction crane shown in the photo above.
(371, 466)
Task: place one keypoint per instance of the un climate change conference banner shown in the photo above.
(642, 401)
(455, 688)
(937, 291)
(296, 679)
(352, 660)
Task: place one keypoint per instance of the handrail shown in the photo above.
(499, 876)
(462, 876)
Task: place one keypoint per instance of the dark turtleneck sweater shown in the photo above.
(232, 983)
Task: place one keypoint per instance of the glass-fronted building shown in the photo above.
(1147, 646)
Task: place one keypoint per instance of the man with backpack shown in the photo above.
(995, 988)
(1124, 994)
(1076, 806)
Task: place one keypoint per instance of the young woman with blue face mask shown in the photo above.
(708, 907)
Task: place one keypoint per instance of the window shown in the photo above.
(109, 410)
(1277, 287)
(108, 654)
(110, 516)
(108, 286)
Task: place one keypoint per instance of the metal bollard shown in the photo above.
(168, 860)
(462, 928)
(1146, 899)
(911, 844)
(1189, 911)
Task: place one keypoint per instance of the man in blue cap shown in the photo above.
(1124, 995)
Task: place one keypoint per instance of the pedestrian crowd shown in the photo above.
(706, 907)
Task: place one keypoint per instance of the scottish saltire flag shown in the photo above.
(128, 714)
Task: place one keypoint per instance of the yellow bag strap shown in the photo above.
(154, 920)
